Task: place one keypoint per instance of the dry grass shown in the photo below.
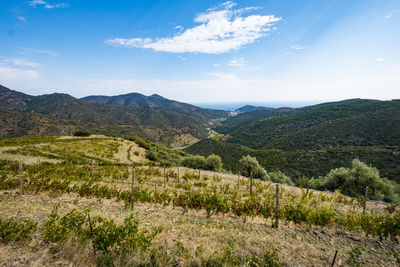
(296, 245)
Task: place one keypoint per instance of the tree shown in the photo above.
(353, 181)
(250, 167)
(195, 162)
(214, 162)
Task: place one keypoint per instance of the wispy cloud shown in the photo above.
(294, 48)
(182, 58)
(223, 76)
(10, 73)
(222, 29)
(297, 47)
(379, 59)
(47, 5)
(20, 62)
(390, 14)
(29, 51)
(236, 62)
(21, 18)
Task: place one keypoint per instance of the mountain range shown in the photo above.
(307, 141)
(312, 140)
(139, 100)
(62, 112)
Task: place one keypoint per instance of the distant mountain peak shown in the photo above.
(156, 100)
(156, 95)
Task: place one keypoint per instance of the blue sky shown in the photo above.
(203, 51)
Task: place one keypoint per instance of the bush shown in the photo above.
(303, 182)
(280, 177)
(140, 142)
(214, 162)
(151, 155)
(251, 167)
(353, 181)
(106, 236)
(195, 162)
(13, 230)
(355, 256)
(81, 133)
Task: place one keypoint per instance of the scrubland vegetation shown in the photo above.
(78, 199)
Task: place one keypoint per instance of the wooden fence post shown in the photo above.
(132, 186)
(199, 172)
(251, 184)
(308, 188)
(164, 175)
(21, 179)
(365, 199)
(238, 182)
(334, 259)
(277, 206)
(92, 171)
(178, 174)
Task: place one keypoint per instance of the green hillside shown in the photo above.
(355, 123)
(309, 163)
(139, 100)
(61, 113)
(313, 140)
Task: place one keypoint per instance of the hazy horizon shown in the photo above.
(235, 51)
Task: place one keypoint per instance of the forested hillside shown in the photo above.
(157, 124)
(359, 123)
(139, 100)
(313, 140)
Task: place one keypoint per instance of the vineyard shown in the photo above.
(98, 200)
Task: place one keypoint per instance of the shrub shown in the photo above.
(81, 133)
(355, 256)
(151, 155)
(250, 167)
(13, 230)
(280, 177)
(214, 162)
(353, 181)
(195, 162)
(106, 236)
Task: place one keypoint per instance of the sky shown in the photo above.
(203, 51)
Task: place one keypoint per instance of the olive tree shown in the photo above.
(250, 167)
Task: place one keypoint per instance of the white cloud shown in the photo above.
(379, 59)
(29, 51)
(21, 62)
(179, 28)
(47, 5)
(21, 18)
(182, 58)
(236, 62)
(297, 47)
(223, 76)
(17, 75)
(390, 14)
(221, 30)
